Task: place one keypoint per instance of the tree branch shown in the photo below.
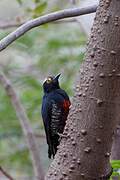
(14, 24)
(5, 174)
(42, 20)
(25, 125)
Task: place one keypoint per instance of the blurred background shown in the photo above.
(50, 49)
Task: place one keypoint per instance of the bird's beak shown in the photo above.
(57, 77)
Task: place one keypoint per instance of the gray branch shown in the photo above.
(25, 125)
(14, 24)
(43, 20)
(6, 173)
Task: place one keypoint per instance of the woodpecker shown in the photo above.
(55, 109)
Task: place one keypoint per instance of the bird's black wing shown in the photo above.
(55, 108)
(63, 93)
(59, 111)
(46, 115)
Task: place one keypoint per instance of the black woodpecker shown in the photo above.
(55, 109)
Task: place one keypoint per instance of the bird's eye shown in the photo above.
(49, 80)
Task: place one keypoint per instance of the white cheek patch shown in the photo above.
(45, 80)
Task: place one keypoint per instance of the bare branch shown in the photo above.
(6, 174)
(25, 125)
(14, 24)
(43, 20)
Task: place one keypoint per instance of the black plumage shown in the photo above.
(55, 109)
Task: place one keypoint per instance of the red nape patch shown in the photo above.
(66, 104)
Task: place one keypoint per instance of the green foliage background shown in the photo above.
(51, 49)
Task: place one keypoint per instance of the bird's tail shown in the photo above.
(50, 152)
(52, 147)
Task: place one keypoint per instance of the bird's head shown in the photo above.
(51, 83)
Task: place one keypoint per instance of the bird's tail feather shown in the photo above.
(51, 151)
(52, 147)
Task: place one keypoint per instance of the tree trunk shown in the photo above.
(84, 151)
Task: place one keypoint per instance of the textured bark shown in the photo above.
(85, 151)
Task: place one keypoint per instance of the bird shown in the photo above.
(55, 109)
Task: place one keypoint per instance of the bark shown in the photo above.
(85, 151)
